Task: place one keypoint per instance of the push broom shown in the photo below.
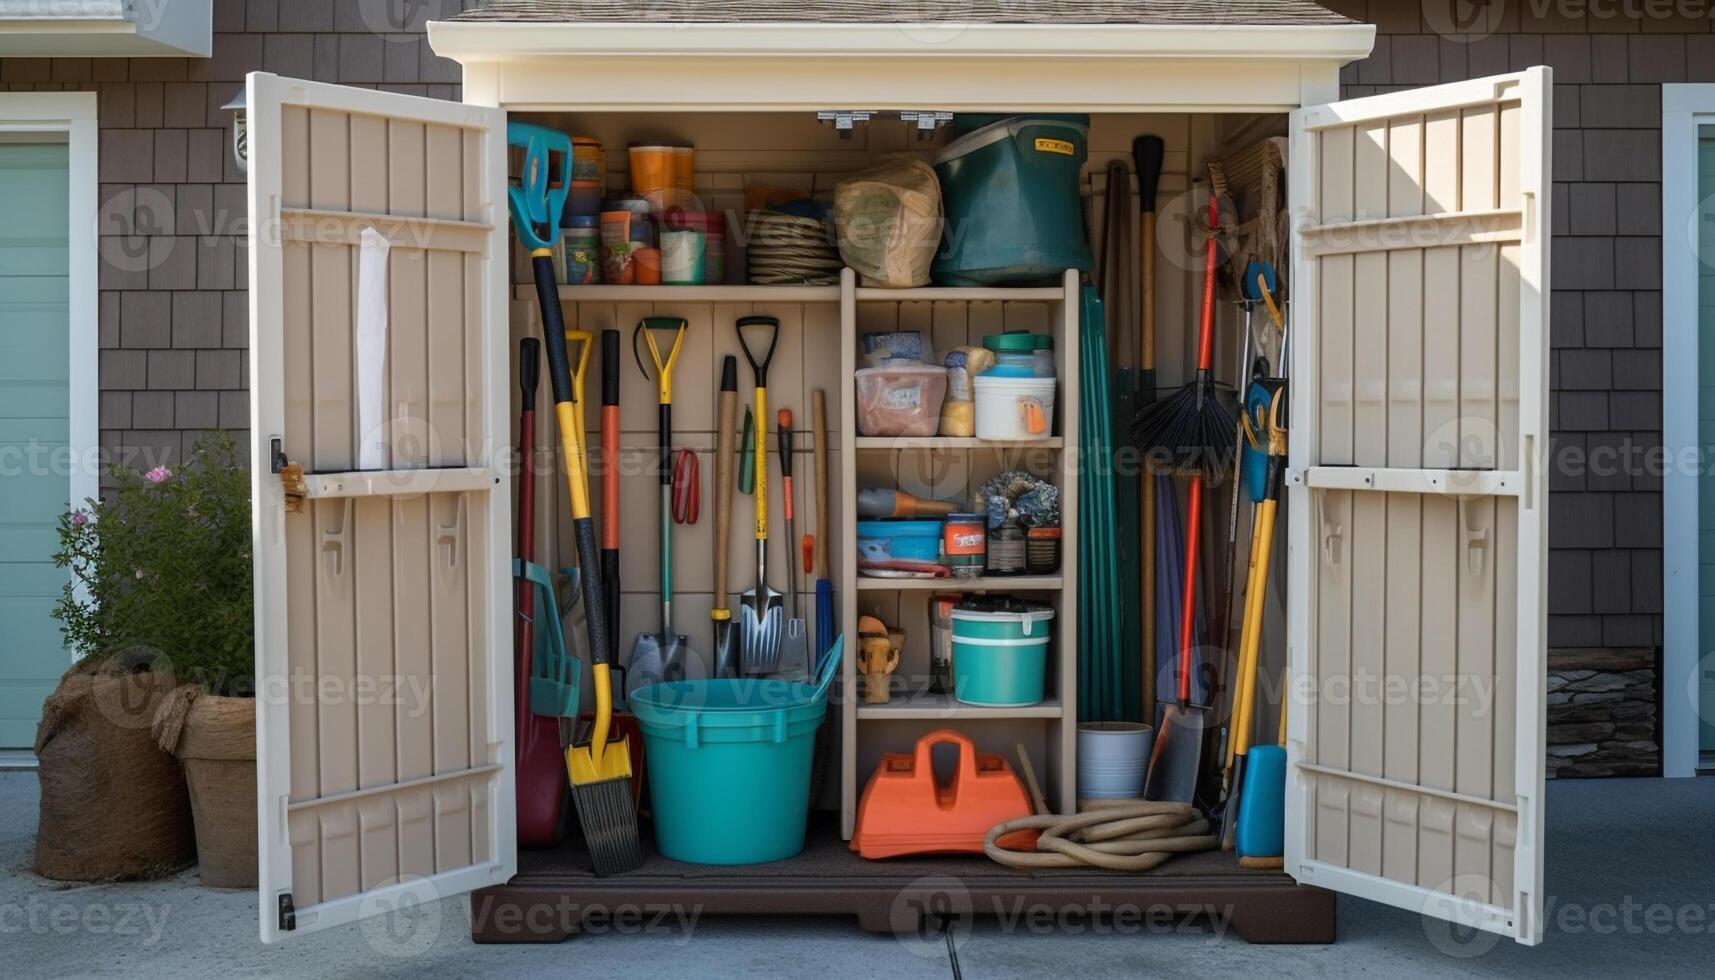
(1189, 433)
(600, 772)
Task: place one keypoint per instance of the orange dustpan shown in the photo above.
(904, 811)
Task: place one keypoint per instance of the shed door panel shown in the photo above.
(382, 578)
(1418, 504)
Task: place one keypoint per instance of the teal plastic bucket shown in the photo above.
(1000, 659)
(1013, 211)
(729, 766)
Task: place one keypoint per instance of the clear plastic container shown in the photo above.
(900, 399)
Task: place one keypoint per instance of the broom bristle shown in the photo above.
(1190, 432)
(610, 825)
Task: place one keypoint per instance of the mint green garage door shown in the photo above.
(34, 487)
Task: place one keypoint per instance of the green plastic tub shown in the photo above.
(1013, 212)
(729, 766)
(1000, 659)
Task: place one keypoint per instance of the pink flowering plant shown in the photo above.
(162, 565)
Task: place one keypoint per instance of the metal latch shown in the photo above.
(925, 122)
(291, 476)
(288, 913)
(844, 120)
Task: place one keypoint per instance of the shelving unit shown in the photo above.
(949, 467)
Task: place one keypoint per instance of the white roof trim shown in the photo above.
(470, 42)
(106, 28)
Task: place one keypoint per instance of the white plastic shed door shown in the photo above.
(378, 252)
(1419, 510)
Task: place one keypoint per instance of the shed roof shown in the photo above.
(1259, 13)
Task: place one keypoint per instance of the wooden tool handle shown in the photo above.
(819, 418)
(726, 451)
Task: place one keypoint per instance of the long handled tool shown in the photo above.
(795, 649)
(1192, 430)
(1256, 591)
(726, 642)
(663, 656)
(610, 476)
(1146, 156)
(600, 772)
(824, 524)
(760, 613)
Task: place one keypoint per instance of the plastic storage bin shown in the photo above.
(900, 399)
(1000, 659)
(1013, 211)
(905, 540)
(729, 766)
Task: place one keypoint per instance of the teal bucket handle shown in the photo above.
(536, 203)
(830, 663)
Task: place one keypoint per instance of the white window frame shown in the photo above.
(1683, 109)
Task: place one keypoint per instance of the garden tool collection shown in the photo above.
(599, 771)
(663, 656)
(1190, 432)
(761, 625)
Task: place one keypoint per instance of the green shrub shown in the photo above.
(164, 566)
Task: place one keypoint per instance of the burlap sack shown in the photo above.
(113, 804)
(215, 739)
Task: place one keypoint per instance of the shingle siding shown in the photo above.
(174, 314)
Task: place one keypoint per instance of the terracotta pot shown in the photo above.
(215, 740)
(113, 804)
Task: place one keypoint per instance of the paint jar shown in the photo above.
(578, 259)
(964, 545)
(652, 168)
(622, 234)
(1021, 355)
(684, 167)
(682, 258)
(589, 176)
(647, 262)
(712, 225)
(1007, 550)
(1042, 550)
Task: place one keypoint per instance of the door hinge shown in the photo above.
(288, 914)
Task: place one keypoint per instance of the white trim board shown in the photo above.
(1683, 109)
(71, 116)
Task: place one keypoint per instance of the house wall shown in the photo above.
(174, 313)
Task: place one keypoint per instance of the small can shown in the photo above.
(964, 542)
(1042, 550)
(579, 259)
(1006, 550)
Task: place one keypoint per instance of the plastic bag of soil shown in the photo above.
(889, 221)
(114, 805)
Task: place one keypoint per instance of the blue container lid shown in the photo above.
(899, 529)
(581, 221)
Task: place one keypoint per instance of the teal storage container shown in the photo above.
(1000, 659)
(729, 766)
(1013, 212)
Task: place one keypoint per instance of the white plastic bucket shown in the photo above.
(1014, 409)
(1112, 757)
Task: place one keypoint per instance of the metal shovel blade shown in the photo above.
(1178, 754)
(795, 651)
(726, 648)
(660, 657)
(759, 636)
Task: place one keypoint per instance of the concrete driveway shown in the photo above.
(1631, 892)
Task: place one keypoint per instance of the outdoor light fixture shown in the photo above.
(240, 132)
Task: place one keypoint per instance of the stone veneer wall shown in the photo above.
(1602, 714)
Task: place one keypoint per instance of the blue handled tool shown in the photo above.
(537, 202)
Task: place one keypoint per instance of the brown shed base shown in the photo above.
(554, 895)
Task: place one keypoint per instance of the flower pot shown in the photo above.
(113, 804)
(1112, 757)
(215, 739)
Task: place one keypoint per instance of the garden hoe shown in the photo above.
(760, 613)
(663, 656)
(600, 772)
